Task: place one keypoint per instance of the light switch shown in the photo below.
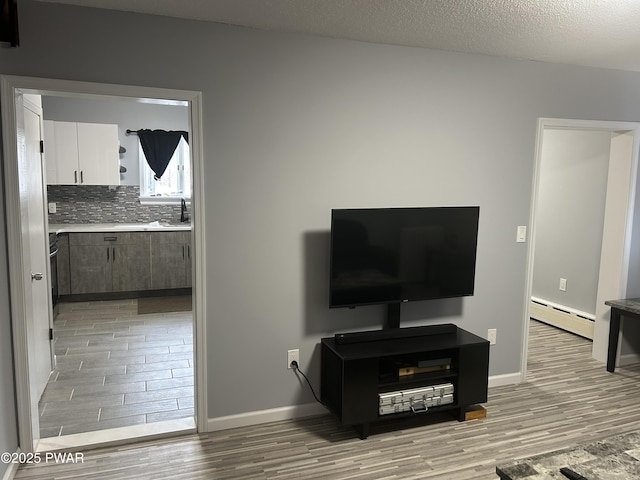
(563, 284)
(521, 236)
(52, 207)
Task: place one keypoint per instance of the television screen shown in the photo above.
(9, 22)
(396, 255)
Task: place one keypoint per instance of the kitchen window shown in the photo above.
(174, 184)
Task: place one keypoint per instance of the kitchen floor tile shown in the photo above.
(116, 368)
(156, 395)
(103, 424)
(139, 408)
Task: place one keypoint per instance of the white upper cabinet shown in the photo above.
(61, 152)
(81, 153)
(98, 157)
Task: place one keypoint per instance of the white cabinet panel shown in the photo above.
(82, 153)
(98, 146)
(61, 152)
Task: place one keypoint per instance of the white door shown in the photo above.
(35, 252)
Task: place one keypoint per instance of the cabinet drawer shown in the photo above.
(166, 238)
(117, 238)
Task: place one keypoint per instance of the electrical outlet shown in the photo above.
(52, 207)
(491, 336)
(293, 356)
(563, 284)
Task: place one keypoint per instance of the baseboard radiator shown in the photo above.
(563, 317)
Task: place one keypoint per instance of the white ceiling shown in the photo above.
(599, 33)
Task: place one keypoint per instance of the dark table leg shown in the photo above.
(614, 331)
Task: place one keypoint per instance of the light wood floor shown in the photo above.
(567, 400)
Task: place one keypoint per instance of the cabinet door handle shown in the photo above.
(107, 255)
(81, 176)
(183, 252)
(110, 239)
(114, 254)
(189, 251)
(75, 176)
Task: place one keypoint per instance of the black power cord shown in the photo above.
(296, 369)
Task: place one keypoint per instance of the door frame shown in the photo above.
(615, 255)
(9, 88)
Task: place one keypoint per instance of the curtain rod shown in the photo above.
(135, 132)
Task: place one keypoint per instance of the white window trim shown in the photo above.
(163, 200)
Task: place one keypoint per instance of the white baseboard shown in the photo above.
(266, 416)
(505, 379)
(309, 409)
(567, 318)
(11, 470)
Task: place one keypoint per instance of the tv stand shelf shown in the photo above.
(353, 375)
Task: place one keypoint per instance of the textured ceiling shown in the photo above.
(600, 33)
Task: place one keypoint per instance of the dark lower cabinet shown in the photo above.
(353, 376)
(170, 260)
(104, 263)
(123, 264)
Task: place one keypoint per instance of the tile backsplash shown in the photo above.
(103, 204)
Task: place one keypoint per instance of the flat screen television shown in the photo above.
(397, 255)
(9, 22)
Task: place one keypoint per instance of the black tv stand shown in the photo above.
(357, 377)
(391, 333)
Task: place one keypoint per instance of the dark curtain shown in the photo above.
(158, 146)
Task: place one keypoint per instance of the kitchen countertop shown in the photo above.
(630, 305)
(116, 227)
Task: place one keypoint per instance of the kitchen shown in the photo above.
(120, 247)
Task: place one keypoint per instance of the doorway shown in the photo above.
(569, 220)
(617, 225)
(11, 86)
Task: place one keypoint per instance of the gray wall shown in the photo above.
(570, 216)
(128, 115)
(296, 125)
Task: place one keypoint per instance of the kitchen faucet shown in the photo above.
(184, 216)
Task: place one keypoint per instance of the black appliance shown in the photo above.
(397, 255)
(53, 258)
